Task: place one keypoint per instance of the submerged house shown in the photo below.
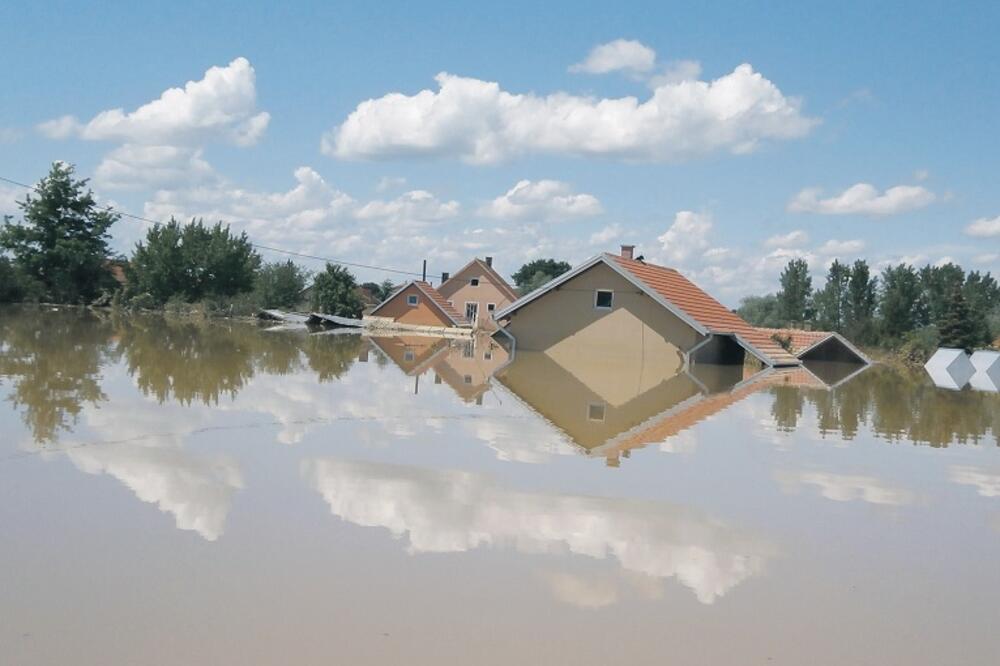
(418, 304)
(614, 300)
(477, 291)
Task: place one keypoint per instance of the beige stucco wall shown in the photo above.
(423, 314)
(564, 323)
(460, 291)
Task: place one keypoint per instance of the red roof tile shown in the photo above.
(440, 301)
(702, 308)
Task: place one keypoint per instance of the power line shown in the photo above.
(292, 253)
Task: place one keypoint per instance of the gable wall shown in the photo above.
(459, 291)
(423, 314)
(564, 320)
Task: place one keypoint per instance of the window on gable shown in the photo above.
(491, 307)
(595, 411)
(604, 299)
(474, 282)
(412, 299)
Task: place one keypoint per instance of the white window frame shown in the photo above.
(466, 313)
(412, 300)
(606, 291)
(491, 307)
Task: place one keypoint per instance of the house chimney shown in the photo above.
(444, 277)
(628, 251)
(489, 261)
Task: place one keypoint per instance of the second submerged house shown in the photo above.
(613, 300)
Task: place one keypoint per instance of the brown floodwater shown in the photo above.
(224, 493)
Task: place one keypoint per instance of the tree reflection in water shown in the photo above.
(51, 362)
(54, 368)
(897, 406)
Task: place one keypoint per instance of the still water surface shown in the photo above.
(182, 493)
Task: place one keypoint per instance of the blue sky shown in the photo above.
(755, 134)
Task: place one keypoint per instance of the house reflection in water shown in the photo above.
(616, 401)
(464, 364)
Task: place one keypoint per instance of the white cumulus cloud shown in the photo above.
(793, 238)
(839, 247)
(220, 105)
(984, 227)
(618, 55)
(863, 199)
(686, 236)
(541, 200)
(479, 122)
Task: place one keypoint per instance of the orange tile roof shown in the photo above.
(701, 307)
(439, 300)
(800, 339)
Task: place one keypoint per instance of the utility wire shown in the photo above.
(147, 220)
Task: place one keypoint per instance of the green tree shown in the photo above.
(938, 284)
(380, 291)
(901, 307)
(832, 301)
(795, 297)
(862, 299)
(192, 262)
(536, 273)
(62, 242)
(280, 284)
(956, 326)
(11, 289)
(761, 311)
(983, 297)
(335, 292)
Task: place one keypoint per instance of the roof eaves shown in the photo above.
(548, 286)
(391, 296)
(844, 341)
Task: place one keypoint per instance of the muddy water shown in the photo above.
(182, 493)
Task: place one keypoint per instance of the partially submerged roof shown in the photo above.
(681, 297)
(803, 342)
(435, 298)
(495, 277)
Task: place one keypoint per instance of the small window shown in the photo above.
(408, 355)
(604, 299)
(490, 307)
(595, 411)
(412, 300)
(474, 282)
(487, 355)
(467, 379)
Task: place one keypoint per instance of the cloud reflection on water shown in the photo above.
(445, 511)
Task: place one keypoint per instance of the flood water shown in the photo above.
(185, 493)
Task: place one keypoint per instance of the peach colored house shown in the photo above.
(476, 291)
(614, 300)
(419, 304)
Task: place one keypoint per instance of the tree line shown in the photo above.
(59, 253)
(914, 309)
